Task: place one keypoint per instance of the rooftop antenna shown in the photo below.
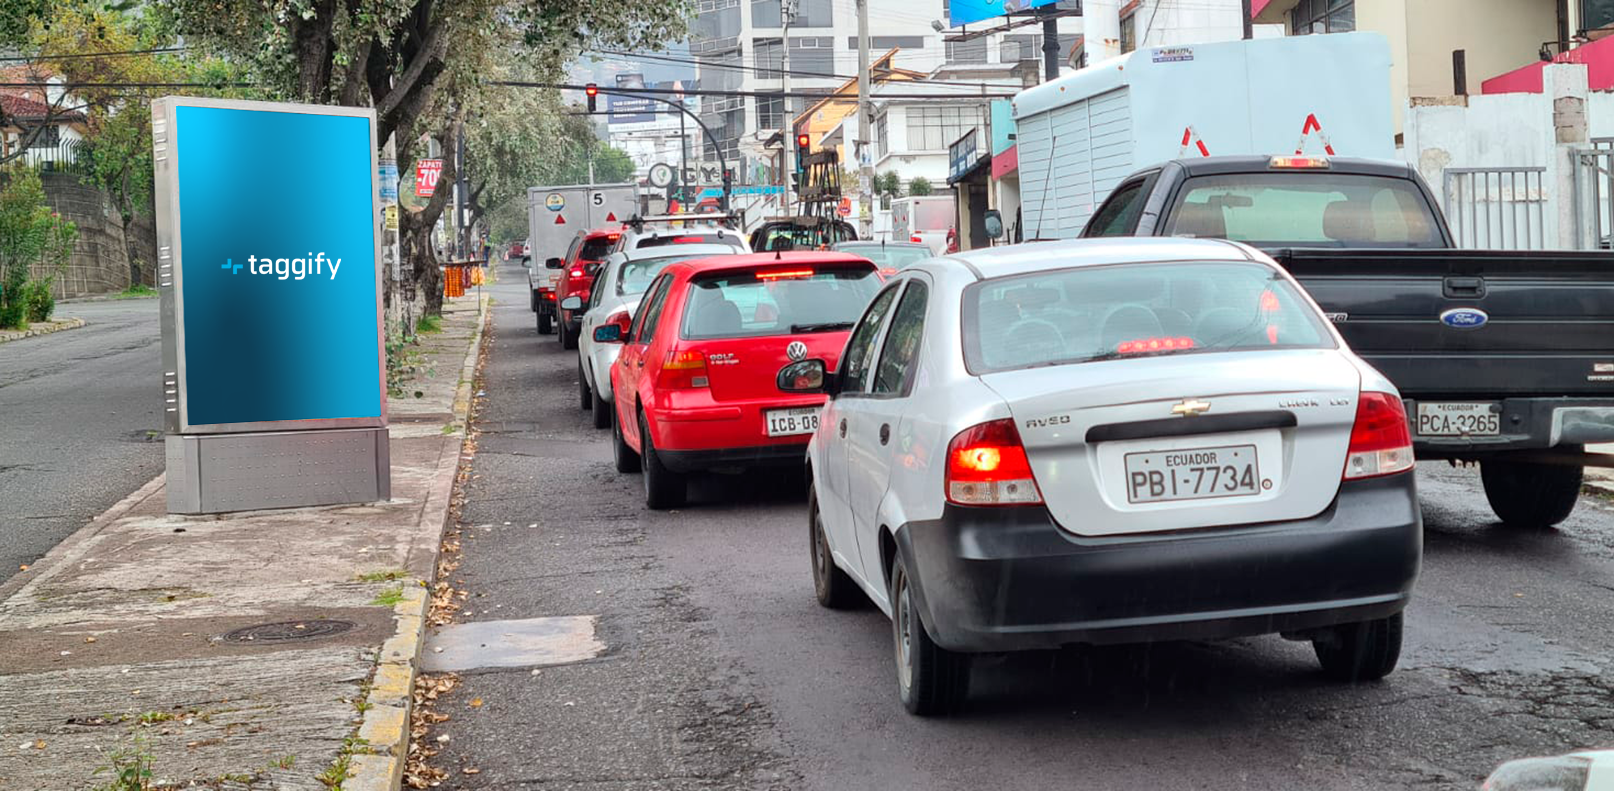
(1047, 176)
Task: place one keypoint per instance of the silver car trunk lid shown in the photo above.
(1188, 441)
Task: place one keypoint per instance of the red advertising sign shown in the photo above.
(427, 172)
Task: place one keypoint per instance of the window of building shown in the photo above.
(1129, 33)
(1596, 13)
(767, 55)
(973, 51)
(770, 112)
(882, 135)
(765, 13)
(879, 44)
(812, 55)
(933, 128)
(49, 137)
(814, 13)
(1323, 16)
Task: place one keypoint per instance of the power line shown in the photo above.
(76, 55)
(71, 86)
(722, 93)
(768, 71)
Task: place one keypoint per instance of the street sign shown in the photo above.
(427, 171)
(661, 175)
(389, 180)
(845, 207)
(390, 214)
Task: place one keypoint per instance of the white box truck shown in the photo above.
(1081, 134)
(554, 216)
(925, 219)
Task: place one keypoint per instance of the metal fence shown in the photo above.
(1497, 208)
(68, 156)
(1594, 188)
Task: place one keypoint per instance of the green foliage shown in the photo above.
(130, 768)
(388, 597)
(38, 302)
(888, 184)
(31, 236)
(136, 291)
(920, 187)
(429, 324)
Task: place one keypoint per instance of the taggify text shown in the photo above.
(293, 268)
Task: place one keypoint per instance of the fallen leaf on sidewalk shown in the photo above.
(39, 744)
(89, 639)
(23, 567)
(471, 771)
(476, 703)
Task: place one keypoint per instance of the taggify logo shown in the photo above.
(285, 268)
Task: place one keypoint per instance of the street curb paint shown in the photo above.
(55, 326)
(384, 730)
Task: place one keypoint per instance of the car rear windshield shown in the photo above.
(597, 248)
(635, 276)
(891, 257)
(931, 216)
(1305, 209)
(1134, 310)
(729, 239)
(756, 303)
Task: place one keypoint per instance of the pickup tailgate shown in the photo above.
(1547, 327)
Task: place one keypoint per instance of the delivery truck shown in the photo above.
(1079, 135)
(554, 216)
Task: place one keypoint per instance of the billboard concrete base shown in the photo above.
(217, 473)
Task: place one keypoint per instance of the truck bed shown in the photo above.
(1550, 327)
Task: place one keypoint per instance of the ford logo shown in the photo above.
(1464, 318)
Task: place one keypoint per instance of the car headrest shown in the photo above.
(1348, 221)
(1200, 221)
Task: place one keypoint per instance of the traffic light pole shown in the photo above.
(721, 161)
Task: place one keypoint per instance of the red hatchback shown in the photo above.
(582, 260)
(695, 384)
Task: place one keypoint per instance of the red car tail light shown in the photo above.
(915, 239)
(784, 274)
(1381, 443)
(1145, 345)
(683, 370)
(987, 465)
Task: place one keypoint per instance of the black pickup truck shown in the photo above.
(1505, 358)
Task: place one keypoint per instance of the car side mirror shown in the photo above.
(571, 303)
(552, 263)
(608, 333)
(994, 224)
(803, 376)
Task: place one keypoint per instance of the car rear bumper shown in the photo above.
(694, 431)
(792, 454)
(1005, 579)
(1526, 424)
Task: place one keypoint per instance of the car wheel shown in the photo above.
(1530, 495)
(602, 410)
(568, 338)
(930, 679)
(585, 399)
(1365, 651)
(544, 322)
(834, 587)
(626, 459)
(532, 300)
(663, 488)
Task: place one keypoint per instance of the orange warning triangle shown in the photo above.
(610, 216)
(559, 220)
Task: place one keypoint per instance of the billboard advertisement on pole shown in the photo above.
(629, 109)
(272, 314)
(964, 12)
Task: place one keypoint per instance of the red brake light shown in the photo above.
(1298, 162)
(1145, 345)
(781, 274)
(1381, 443)
(683, 370)
(688, 239)
(576, 272)
(915, 239)
(887, 272)
(987, 465)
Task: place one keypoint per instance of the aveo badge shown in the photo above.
(1464, 318)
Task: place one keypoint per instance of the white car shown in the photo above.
(660, 232)
(1108, 441)
(1592, 770)
(622, 279)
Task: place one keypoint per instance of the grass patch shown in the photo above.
(154, 717)
(136, 291)
(130, 768)
(387, 575)
(284, 762)
(449, 428)
(338, 772)
(429, 324)
(388, 597)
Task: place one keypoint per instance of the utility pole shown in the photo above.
(862, 149)
(1249, 24)
(787, 130)
(461, 243)
(1050, 48)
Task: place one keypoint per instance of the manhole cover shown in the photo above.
(287, 630)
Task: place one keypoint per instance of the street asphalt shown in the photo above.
(721, 671)
(80, 423)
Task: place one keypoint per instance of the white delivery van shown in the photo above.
(926, 220)
(554, 216)
(1081, 134)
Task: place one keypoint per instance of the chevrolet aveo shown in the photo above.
(1108, 441)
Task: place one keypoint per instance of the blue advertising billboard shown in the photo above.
(964, 12)
(273, 242)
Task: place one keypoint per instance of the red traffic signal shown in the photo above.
(802, 140)
(592, 91)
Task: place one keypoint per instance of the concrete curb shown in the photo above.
(384, 731)
(44, 328)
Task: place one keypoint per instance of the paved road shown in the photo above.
(722, 672)
(75, 411)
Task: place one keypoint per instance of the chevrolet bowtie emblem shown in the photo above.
(1190, 407)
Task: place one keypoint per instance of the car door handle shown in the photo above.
(885, 433)
(843, 427)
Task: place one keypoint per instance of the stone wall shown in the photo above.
(100, 260)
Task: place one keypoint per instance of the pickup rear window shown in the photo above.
(1097, 313)
(1305, 209)
(809, 299)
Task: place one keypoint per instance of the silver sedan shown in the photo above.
(1108, 441)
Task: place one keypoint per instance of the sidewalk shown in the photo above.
(269, 649)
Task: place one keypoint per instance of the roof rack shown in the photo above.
(638, 222)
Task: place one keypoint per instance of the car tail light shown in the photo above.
(915, 239)
(987, 465)
(575, 271)
(1381, 443)
(688, 239)
(887, 272)
(1314, 163)
(546, 293)
(1145, 345)
(784, 274)
(683, 370)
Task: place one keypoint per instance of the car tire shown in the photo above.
(663, 488)
(931, 680)
(532, 300)
(1365, 651)
(568, 339)
(627, 460)
(834, 587)
(602, 410)
(585, 398)
(545, 322)
(1531, 495)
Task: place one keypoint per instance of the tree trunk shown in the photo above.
(422, 256)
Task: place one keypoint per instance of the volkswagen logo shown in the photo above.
(796, 351)
(1464, 318)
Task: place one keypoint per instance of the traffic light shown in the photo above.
(803, 148)
(593, 92)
